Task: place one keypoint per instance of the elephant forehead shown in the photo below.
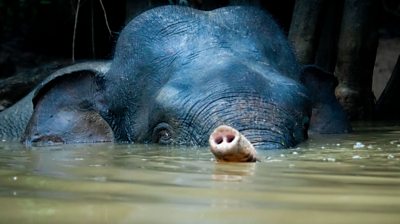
(167, 94)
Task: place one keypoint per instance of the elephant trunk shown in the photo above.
(227, 144)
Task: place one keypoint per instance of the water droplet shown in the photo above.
(390, 156)
(329, 159)
(100, 179)
(358, 145)
(15, 178)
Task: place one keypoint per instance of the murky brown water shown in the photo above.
(340, 179)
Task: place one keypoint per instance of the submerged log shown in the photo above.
(358, 43)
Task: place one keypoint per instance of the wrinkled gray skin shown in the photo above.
(185, 72)
(13, 120)
(177, 74)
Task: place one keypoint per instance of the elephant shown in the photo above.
(178, 73)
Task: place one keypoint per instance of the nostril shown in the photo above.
(230, 138)
(218, 140)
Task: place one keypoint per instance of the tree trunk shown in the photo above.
(304, 29)
(388, 107)
(326, 53)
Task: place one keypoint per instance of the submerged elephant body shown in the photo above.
(177, 74)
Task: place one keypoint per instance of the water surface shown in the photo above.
(337, 179)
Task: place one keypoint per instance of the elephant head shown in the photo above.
(177, 74)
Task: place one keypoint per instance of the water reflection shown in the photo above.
(340, 179)
(233, 171)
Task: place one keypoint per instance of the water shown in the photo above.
(338, 179)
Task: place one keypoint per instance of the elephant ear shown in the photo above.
(67, 110)
(328, 116)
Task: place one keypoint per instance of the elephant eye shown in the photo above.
(163, 134)
(46, 140)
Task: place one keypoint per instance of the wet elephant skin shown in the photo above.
(177, 74)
